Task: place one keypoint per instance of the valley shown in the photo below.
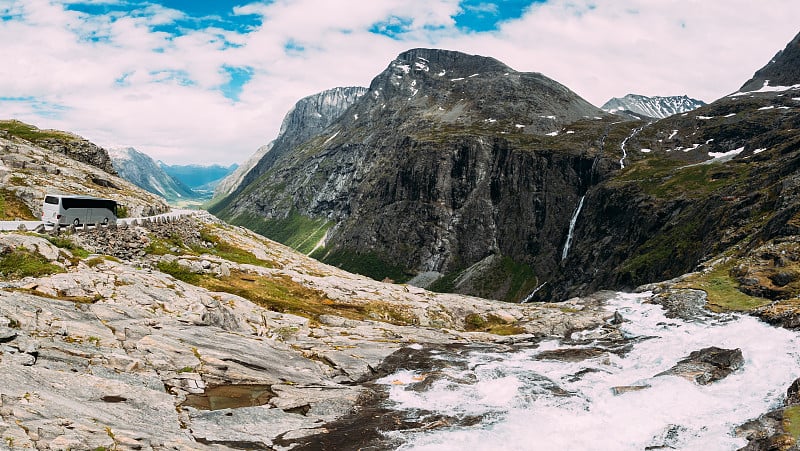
(459, 255)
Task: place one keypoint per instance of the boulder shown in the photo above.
(793, 393)
(707, 365)
(685, 304)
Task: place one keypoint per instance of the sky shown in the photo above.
(209, 81)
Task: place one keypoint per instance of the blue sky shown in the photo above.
(191, 81)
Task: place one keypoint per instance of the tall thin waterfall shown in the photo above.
(572, 228)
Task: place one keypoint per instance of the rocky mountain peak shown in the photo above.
(455, 63)
(449, 87)
(782, 70)
(312, 114)
(309, 116)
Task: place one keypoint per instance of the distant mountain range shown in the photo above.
(655, 107)
(176, 183)
(198, 177)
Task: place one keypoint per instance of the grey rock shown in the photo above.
(309, 116)
(7, 334)
(793, 393)
(689, 305)
(707, 365)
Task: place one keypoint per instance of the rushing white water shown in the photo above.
(530, 404)
(572, 228)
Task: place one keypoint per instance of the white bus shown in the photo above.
(64, 209)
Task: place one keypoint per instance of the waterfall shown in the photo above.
(530, 295)
(622, 147)
(572, 228)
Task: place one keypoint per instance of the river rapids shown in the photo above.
(591, 393)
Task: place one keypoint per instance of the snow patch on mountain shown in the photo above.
(655, 107)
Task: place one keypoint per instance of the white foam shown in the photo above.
(521, 414)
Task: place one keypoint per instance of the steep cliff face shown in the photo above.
(308, 117)
(449, 159)
(723, 178)
(782, 70)
(466, 176)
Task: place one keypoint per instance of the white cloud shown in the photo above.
(705, 49)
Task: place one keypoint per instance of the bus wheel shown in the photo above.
(76, 222)
(105, 221)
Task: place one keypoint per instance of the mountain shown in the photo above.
(654, 107)
(35, 162)
(458, 173)
(190, 333)
(782, 70)
(715, 188)
(145, 173)
(308, 117)
(198, 177)
(233, 180)
(430, 172)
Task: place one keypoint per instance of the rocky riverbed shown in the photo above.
(102, 352)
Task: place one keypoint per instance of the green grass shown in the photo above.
(281, 294)
(11, 207)
(228, 251)
(367, 264)
(162, 246)
(723, 291)
(68, 244)
(179, 272)
(31, 133)
(446, 283)
(791, 421)
(20, 262)
(669, 178)
(474, 322)
(506, 279)
(673, 242)
(297, 231)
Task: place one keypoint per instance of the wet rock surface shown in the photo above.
(686, 304)
(707, 365)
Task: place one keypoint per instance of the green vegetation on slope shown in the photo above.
(669, 178)
(20, 262)
(213, 244)
(66, 243)
(504, 279)
(723, 290)
(791, 422)
(297, 231)
(31, 133)
(11, 208)
(367, 264)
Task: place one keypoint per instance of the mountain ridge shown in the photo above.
(782, 70)
(140, 169)
(656, 107)
(308, 116)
